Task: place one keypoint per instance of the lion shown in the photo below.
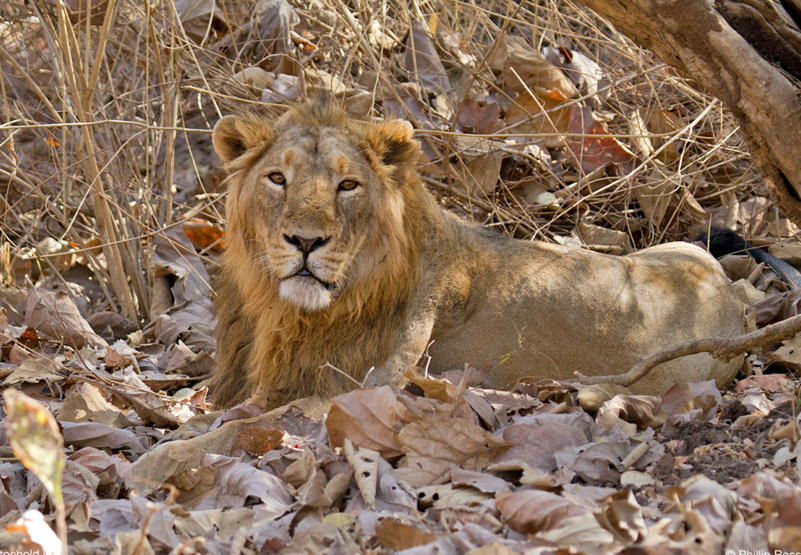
(342, 269)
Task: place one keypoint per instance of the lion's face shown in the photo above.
(313, 201)
(316, 203)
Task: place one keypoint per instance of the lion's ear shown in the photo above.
(393, 143)
(234, 135)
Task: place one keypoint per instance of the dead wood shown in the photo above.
(730, 48)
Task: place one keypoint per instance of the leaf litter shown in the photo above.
(571, 134)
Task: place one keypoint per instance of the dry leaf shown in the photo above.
(176, 458)
(789, 354)
(397, 535)
(768, 382)
(533, 511)
(475, 118)
(595, 147)
(435, 442)
(516, 61)
(92, 434)
(150, 406)
(584, 72)
(369, 418)
(603, 239)
(34, 436)
(594, 462)
(85, 403)
(684, 397)
(434, 387)
(365, 470)
(422, 60)
(234, 482)
(35, 371)
(642, 410)
(203, 233)
(542, 116)
(176, 262)
(591, 397)
(200, 17)
(538, 438)
(56, 314)
(481, 481)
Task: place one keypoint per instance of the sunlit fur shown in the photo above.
(393, 276)
(274, 334)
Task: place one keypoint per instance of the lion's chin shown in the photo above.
(306, 293)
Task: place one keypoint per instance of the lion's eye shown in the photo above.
(277, 178)
(348, 185)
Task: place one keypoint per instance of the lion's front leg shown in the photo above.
(412, 343)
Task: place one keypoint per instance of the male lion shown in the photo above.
(337, 254)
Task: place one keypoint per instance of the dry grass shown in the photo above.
(105, 136)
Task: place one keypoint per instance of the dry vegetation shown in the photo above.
(536, 118)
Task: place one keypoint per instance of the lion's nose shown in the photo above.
(306, 244)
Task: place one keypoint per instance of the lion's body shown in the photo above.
(319, 276)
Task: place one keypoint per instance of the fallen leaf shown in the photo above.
(591, 397)
(397, 535)
(543, 118)
(716, 503)
(200, 17)
(85, 403)
(422, 60)
(435, 442)
(534, 511)
(365, 470)
(623, 516)
(203, 233)
(475, 118)
(481, 481)
(234, 482)
(34, 436)
(604, 240)
(56, 314)
(92, 434)
(636, 479)
(107, 468)
(369, 418)
(516, 61)
(685, 397)
(446, 496)
(178, 458)
(536, 439)
(789, 354)
(595, 461)
(768, 382)
(434, 387)
(152, 408)
(585, 73)
(642, 410)
(594, 146)
(34, 371)
(176, 261)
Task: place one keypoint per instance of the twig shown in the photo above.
(720, 348)
(344, 374)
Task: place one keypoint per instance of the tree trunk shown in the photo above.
(747, 53)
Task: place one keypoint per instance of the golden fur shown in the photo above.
(317, 275)
(268, 344)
